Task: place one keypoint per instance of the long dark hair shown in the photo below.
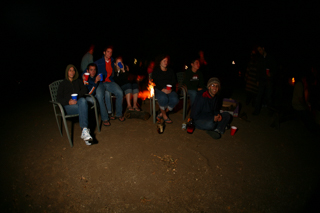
(160, 58)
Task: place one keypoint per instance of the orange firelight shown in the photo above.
(293, 80)
(147, 93)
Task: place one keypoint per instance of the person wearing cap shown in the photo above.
(205, 112)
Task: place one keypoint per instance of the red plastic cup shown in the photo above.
(86, 76)
(268, 72)
(233, 130)
(169, 86)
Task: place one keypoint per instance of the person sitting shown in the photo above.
(92, 85)
(167, 98)
(70, 85)
(205, 112)
(105, 66)
(129, 87)
(194, 80)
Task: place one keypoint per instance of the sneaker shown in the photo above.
(85, 135)
(214, 134)
(88, 143)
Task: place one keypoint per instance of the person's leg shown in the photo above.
(205, 123)
(83, 112)
(259, 98)
(192, 94)
(269, 92)
(81, 108)
(114, 88)
(162, 99)
(173, 100)
(89, 100)
(163, 103)
(127, 91)
(135, 92)
(221, 127)
(100, 95)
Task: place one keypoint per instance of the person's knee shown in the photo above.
(226, 116)
(82, 102)
(128, 91)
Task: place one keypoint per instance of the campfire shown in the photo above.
(143, 95)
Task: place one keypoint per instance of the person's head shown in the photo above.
(118, 59)
(107, 52)
(91, 49)
(162, 61)
(71, 72)
(92, 69)
(261, 50)
(213, 86)
(201, 54)
(195, 64)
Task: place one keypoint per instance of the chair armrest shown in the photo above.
(93, 98)
(184, 90)
(60, 107)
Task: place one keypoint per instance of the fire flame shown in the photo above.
(147, 93)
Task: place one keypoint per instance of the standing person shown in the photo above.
(167, 98)
(251, 79)
(129, 87)
(205, 112)
(194, 80)
(87, 58)
(266, 72)
(92, 85)
(70, 85)
(106, 67)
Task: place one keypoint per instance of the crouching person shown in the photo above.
(72, 85)
(205, 112)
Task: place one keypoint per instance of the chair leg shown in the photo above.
(97, 117)
(184, 108)
(154, 109)
(59, 126)
(67, 131)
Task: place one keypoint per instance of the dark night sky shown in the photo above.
(46, 37)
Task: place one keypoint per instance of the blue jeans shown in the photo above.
(103, 97)
(192, 94)
(167, 100)
(113, 87)
(80, 108)
(132, 88)
(209, 124)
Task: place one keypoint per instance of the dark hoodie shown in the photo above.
(67, 87)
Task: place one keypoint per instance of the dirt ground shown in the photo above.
(134, 169)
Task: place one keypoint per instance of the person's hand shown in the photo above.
(166, 91)
(98, 78)
(217, 118)
(72, 102)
